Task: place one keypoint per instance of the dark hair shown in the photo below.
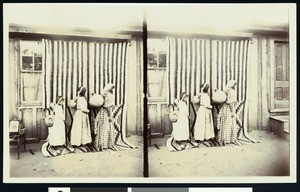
(81, 91)
(205, 87)
(58, 99)
(183, 94)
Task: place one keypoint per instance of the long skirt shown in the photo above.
(104, 131)
(226, 125)
(204, 128)
(181, 130)
(57, 133)
(81, 130)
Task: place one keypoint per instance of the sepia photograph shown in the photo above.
(75, 89)
(219, 90)
(149, 93)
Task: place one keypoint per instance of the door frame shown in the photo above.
(273, 74)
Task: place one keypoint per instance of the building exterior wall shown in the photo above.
(261, 75)
(32, 116)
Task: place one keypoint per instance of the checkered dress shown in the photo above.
(225, 123)
(104, 130)
(227, 132)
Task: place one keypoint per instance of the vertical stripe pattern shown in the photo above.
(69, 65)
(192, 62)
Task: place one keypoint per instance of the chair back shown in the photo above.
(14, 126)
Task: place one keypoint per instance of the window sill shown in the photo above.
(29, 106)
(160, 100)
(28, 71)
(156, 68)
(280, 110)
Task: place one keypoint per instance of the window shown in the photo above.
(157, 53)
(156, 65)
(157, 86)
(31, 82)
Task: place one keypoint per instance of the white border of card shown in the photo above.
(262, 179)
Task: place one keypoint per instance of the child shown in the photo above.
(81, 132)
(57, 133)
(181, 131)
(204, 129)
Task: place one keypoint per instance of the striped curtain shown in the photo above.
(71, 64)
(229, 60)
(191, 62)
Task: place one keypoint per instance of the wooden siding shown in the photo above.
(260, 84)
(158, 118)
(13, 78)
(135, 88)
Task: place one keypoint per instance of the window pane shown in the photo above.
(28, 79)
(163, 87)
(278, 93)
(162, 60)
(37, 63)
(286, 94)
(32, 87)
(152, 60)
(154, 90)
(38, 87)
(31, 54)
(278, 61)
(157, 83)
(153, 76)
(27, 63)
(28, 94)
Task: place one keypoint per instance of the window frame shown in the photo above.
(21, 72)
(159, 68)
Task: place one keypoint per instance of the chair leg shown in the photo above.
(24, 145)
(18, 148)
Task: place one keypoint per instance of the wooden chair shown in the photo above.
(17, 135)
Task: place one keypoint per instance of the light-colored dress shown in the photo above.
(204, 128)
(225, 123)
(104, 129)
(57, 133)
(81, 131)
(181, 130)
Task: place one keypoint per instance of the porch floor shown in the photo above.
(270, 157)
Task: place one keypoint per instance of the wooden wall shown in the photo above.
(32, 116)
(260, 74)
(13, 79)
(135, 87)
